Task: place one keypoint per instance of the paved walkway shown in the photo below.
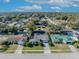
(73, 49)
(47, 49)
(19, 49)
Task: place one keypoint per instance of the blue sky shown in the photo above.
(39, 5)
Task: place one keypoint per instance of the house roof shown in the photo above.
(57, 38)
(39, 32)
(19, 37)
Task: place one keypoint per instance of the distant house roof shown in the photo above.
(38, 32)
(67, 30)
(19, 37)
(41, 24)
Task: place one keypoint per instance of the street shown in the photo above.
(41, 56)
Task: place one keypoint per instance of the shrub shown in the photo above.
(77, 46)
(51, 44)
(24, 44)
(74, 42)
(36, 43)
(6, 43)
(41, 44)
(30, 45)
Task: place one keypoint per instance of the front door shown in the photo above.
(45, 41)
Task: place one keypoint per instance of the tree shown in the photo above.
(56, 27)
(64, 18)
(31, 26)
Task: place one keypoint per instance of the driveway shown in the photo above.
(19, 49)
(47, 49)
(73, 49)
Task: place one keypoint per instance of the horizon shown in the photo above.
(39, 6)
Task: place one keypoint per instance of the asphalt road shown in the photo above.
(41, 56)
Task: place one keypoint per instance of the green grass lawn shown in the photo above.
(1, 48)
(35, 49)
(60, 48)
(75, 45)
(11, 49)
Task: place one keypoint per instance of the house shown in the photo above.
(40, 25)
(40, 35)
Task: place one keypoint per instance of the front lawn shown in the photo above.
(35, 49)
(76, 45)
(3, 48)
(11, 49)
(59, 48)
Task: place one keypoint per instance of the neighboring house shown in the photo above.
(40, 25)
(57, 38)
(12, 24)
(17, 38)
(25, 20)
(43, 19)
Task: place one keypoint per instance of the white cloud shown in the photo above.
(56, 8)
(38, 1)
(59, 2)
(6, 1)
(62, 3)
(29, 8)
(75, 5)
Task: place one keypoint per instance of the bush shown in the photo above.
(41, 44)
(51, 44)
(6, 43)
(74, 42)
(30, 45)
(36, 43)
(24, 44)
